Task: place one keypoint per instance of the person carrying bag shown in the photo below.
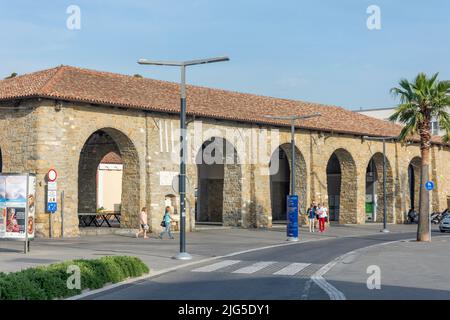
(166, 223)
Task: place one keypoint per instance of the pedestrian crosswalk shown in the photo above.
(259, 267)
(217, 266)
(254, 267)
(292, 269)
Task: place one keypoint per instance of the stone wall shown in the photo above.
(42, 134)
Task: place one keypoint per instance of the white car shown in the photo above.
(445, 224)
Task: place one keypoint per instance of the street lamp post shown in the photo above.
(293, 119)
(182, 255)
(385, 229)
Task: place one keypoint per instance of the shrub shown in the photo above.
(50, 282)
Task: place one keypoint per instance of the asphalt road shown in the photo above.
(276, 273)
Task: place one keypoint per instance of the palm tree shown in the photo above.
(421, 101)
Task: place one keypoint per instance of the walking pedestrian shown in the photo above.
(325, 212)
(312, 216)
(322, 216)
(143, 223)
(166, 223)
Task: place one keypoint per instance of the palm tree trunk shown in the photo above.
(423, 229)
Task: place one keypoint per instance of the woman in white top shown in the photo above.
(322, 212)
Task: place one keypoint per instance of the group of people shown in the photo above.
(317, 213)
(166, 223)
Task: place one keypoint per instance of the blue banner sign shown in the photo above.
(292, 215)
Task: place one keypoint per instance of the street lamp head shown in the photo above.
(182, 63)
(160, 63)
(204, 61)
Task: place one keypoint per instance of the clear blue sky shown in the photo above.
(319, 51)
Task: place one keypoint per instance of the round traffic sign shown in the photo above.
(52, 175)
(429, 185)
(176, 184)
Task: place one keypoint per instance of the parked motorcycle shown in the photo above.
(437, 217)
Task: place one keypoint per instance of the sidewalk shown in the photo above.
(409, 270)
(157, 254)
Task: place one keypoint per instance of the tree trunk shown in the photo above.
(423, 229)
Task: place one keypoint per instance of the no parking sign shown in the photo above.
(52, 206)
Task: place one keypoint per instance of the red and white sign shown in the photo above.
(52, 175)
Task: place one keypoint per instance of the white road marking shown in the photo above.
(254, 267)
(332, 291)
(217, 266)
(292, 269)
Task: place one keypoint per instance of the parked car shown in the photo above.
(445, 224)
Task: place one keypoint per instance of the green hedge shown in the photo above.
(50, 282)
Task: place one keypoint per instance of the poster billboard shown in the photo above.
(17, 206)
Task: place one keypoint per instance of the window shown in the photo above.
(435, 128)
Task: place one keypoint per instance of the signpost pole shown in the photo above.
(429, 186)
(26, 217)
(62, 214)
(52, 206)
(50, 231)
(385, 229)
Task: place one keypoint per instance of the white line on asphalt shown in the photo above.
(292, 269)
(217, 266)
(254, 267)
(332, 291)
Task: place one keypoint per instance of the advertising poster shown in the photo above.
(2, 206)
(17, 206)
(31, 206)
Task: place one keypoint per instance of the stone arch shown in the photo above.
(413, 192)
(219, 183)
(280, 180)
(100, 143)
(341, 186)
(374, 189)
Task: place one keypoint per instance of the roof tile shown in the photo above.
(96, 87)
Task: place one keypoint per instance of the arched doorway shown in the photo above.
(109, 183)
(375, 192)
(279, 184)
(219, 188)
(341, 186)
(280, 180)
(414, 183)
(98, 145)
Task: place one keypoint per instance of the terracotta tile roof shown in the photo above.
(112, 158)
(104, 88)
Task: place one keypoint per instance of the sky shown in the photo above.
(318, 51)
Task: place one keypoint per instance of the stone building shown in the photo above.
(69, 118)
